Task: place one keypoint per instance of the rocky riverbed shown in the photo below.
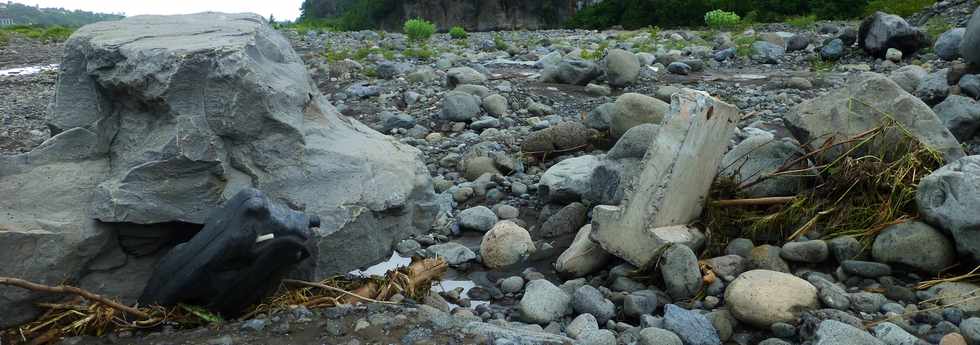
(524, 132)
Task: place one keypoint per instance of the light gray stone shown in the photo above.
(459, 106)
(621, 67)
(914, 244)
(506, 244)
(761, 298)
(832, 332)
(588, 300)
(582, 324)
(948, 197)
(657, 336)
(909, 77)
(766, 52)
(479, 218)
(454, 253)
(680, 271)
(464, 75)
(632, 109)
(583, 256)
(571, 71)
(948, 44)
(961, 115)
(543, 302)
(865, 99)
(692, 327)
(569, 180)
(756, 158)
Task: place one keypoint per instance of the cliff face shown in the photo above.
(473, 15)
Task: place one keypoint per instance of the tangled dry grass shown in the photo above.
(90, 314)
(866, 185)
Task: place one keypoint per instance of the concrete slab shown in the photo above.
(676, 175)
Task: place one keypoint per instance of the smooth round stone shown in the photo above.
(815, 251)
(512, 284)
(761, 298)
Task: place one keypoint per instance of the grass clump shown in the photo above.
(743, 45)
(419, 30)
(421, 53)
(869, 186)
(458, 33)
(903, 8)
(719, 19)
(802, 22)
(499, 43)
(54, 33)
(937, 26)
(596, 54)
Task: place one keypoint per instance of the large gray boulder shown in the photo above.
(914, 244)
(948, 199)
(861, 106)
(759, 156)
(157, 119)
(970, 46)
(881, 31)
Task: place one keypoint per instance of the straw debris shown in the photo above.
(90, 314)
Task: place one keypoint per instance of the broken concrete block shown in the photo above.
(676, 174)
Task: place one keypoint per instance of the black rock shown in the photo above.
(245, 249)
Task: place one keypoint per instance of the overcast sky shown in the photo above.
(281, 9)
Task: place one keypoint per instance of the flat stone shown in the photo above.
(761, 298)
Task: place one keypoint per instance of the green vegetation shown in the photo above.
(635, 14)
(802, 22)
(903, 8)
(342, 15)
(458, 33)
(937, 26)
(421, 53)
(499, 43)
(37, 32)
(719, 19)
(743, 45)
(30, 15)
(419, 30)
(596, 54)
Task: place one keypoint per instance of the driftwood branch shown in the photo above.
(334, 289)
(74, 291)
(779, 200)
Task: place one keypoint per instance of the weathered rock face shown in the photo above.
(160, 118)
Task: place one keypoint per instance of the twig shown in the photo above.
(75, 291)
(778, 200)
(334, 289)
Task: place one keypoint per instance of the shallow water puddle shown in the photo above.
(28, 70)
(395, 262)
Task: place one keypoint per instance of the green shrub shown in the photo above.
(903, 8)
(499, 43)
(802, 22)
(419, 30)
(4, 38)
(596, 54)
(458, 33)
(721, 19)
(42, 33)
